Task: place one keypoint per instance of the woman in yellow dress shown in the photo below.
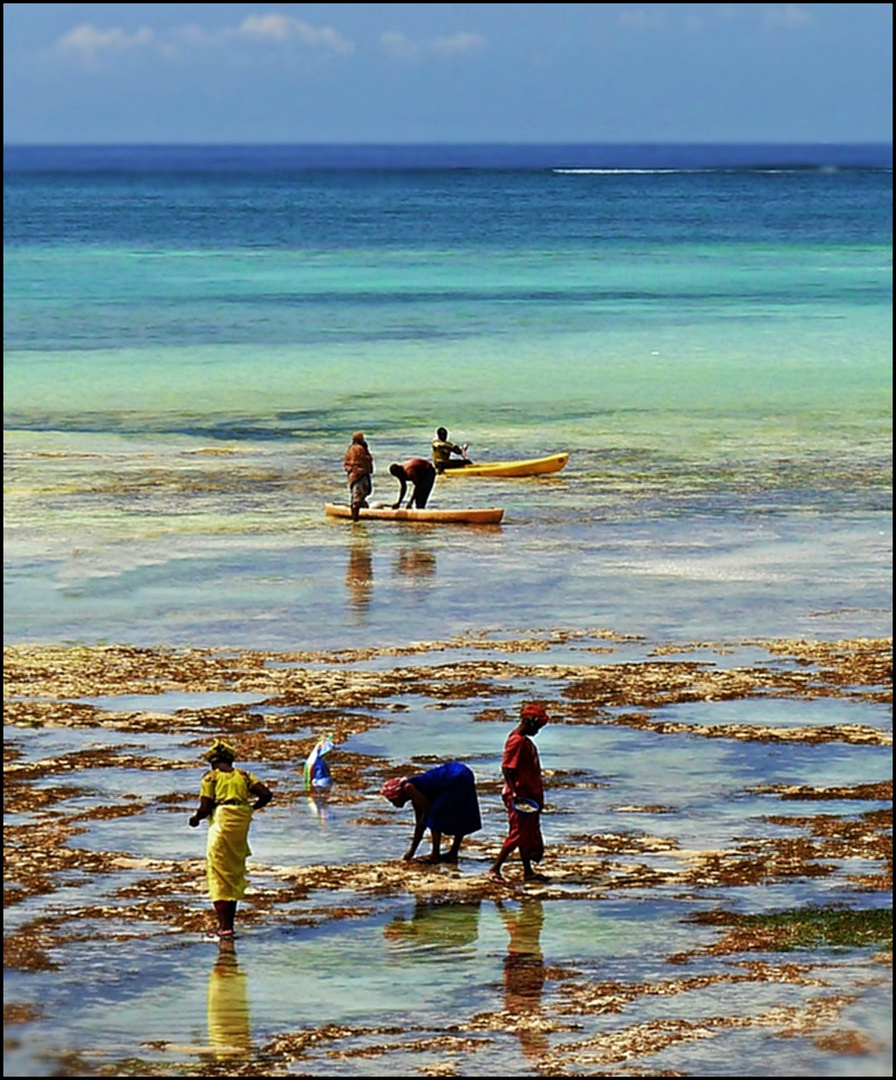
(224, 798)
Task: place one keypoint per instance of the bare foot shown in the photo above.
(536, 877)
(495, 875)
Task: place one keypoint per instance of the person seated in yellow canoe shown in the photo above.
(443, 448)
(420, 474)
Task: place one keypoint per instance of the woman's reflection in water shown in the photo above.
(359, 576)
(524, 972)
(439, 927)
(228, 1007)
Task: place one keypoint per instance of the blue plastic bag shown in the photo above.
(317, 773)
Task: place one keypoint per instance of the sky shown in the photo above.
(447, 73)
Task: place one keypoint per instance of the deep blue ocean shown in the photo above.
(191, 334)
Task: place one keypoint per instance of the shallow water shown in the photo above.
(389, 973)
(454, 965)
(186, 355)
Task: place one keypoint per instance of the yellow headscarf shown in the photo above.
(219, 751)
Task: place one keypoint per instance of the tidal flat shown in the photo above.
(718, 830)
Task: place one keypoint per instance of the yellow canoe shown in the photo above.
(531, 467)
(483, 516)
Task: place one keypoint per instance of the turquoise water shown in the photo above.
(190, 338)
(188, 347)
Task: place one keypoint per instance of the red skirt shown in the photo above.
(524, 832)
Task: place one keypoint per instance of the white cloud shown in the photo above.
(89, 42)
(282, 28)
(400, 47)
(277, 27)
(270, 29)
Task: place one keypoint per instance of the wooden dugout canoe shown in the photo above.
(530, 467)
(490, 515)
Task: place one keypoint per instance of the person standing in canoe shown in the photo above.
(418, 472)
(444, 800)
(443, 448)
(523, 794)
(358, 465)
(225, 798)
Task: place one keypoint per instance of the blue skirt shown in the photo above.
(451, 789)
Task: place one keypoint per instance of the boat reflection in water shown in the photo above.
(524, 972)
(229, 1034)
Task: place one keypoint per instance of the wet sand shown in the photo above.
(822, 851)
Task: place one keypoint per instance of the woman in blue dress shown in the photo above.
(444, 801)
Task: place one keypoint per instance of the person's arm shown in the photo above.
(419, 827)
(206, 805)
(510, 776)
(262, 793)
(421, 804)
(404, 487)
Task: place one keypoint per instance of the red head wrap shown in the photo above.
(535, 714)
(392, 788)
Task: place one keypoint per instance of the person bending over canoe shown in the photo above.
(418, 472)
(522, 781)
(224, 798)
(443, 448)
(358, 465)
(444, 800)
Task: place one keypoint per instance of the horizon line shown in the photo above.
(499, 142)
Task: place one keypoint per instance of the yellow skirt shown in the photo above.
(226, 851)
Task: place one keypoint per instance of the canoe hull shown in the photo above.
(472, 516)
(531, 467)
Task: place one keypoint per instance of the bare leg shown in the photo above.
(230, 914)
(220, 907)
(451, 856)
(436, 855)
(507, 848)
(529, 874)
(226, 913)
(495, 869)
